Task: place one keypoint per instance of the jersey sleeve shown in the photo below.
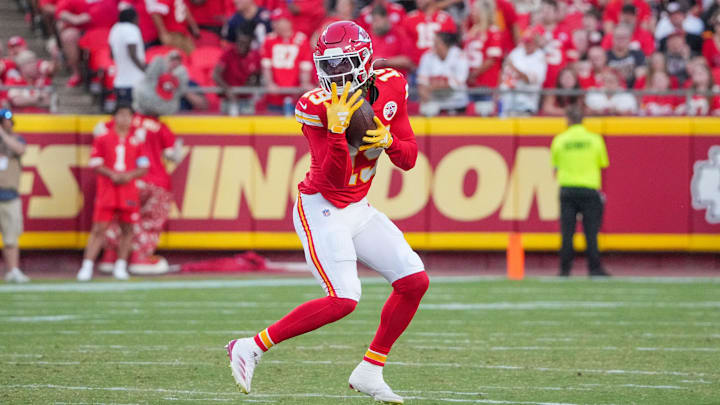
(97, 155)
(403, 151)
(335, 161)
(167, 137)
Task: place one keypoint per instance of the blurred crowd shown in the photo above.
(476, 57)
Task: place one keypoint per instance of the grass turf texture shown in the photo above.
(620, 341)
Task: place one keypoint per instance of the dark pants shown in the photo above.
(586, 201)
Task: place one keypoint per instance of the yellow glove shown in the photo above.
(377, 138)
(340, 109)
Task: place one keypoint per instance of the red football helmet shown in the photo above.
(343, 54)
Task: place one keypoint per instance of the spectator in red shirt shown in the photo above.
(658, 105)
(388, 42)
(343, 10)
(238, 66)
(208, 14)
(483, 46)
(656, 63)
(702, 102)
(286, 61)
(557, 42)
(711, 46)
(119, 159)
(174, 23)
(556, 105)
(591, 24)
(395, 13)
(15, 45)
(421, 25)
(589, 71)
(613, 10)
(306, 14)
(641, 39)
(29, 100)
(76, 16)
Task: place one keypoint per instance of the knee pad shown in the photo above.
(414, 285)
(342, 307)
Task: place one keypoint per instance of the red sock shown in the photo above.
(396, 315)
(305, 318)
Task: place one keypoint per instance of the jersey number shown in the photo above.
(119, 158)
(426, 34)
(365, 173)
(283, 56)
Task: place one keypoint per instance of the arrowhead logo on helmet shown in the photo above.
(343, 55)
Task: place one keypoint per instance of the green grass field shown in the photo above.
(474, 340)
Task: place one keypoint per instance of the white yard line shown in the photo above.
(105, 286)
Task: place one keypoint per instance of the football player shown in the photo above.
(332, 217)
(118, 158)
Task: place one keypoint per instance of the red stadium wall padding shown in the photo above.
(475, 182)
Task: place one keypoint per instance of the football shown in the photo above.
(362, 121)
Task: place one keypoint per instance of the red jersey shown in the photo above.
(420, 28)
(211, 13)
(286, 58)
(699, 105)
(7, 69)
(481, 47)
(396, 13)
(158, 138)
(145, 22)
(119, 155)
(344, 177)
(237, 68)
(614, 8)
(711, 52)
(173, 12)
(15, 79)
(389, 45)
(103, 13)
(642, 40)
(559, 51)
(311, 12)
(656, 105)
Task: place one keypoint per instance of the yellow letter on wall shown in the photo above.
(531, 176)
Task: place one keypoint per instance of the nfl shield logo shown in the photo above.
(326, 212)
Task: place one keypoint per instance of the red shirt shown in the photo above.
(120, 155)
(15, 79)
(341, 177)
(158, 138)
(396, 14)
(311, 12)
(614, 9)
(285, 57)
(211, 13)
(173, 12)
(7, 68)
(238, 68)
(642, 40)
(558, 52)
(420, 28)
(481, 47)
(103, 13)
(389, 45)
(711, 52)
(655, 105)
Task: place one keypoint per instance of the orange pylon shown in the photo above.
(515, 257)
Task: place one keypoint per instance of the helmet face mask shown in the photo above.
(343, 55)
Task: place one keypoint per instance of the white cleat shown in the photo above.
(244, 356)
(85, 274)
(16, 276)
(368, 379)
(121, 274)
